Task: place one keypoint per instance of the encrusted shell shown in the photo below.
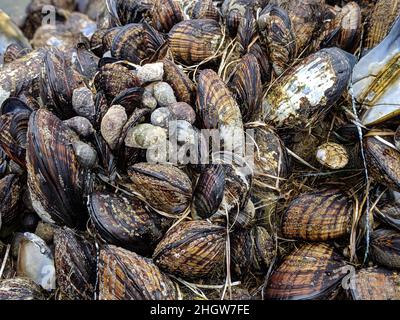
(313, 271)
(54, 174)
(75, 262)
(192, 41)
(375, 284)
(332, 155)
(192, 249)
(318, 216)
(383, 162)
(163, 186)
(125, 221)
(309, 89)
(385, 248)
(124, 275)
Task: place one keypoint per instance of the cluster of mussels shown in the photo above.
(103, 102)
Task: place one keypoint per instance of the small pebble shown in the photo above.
(85, 154)
(164, 94)
(83, 103)
(150, 72)
(161, 117)
(112, 124)
(183, 111)
(145, 136)
(81, 126)
(45, 231)
(183, 132)
(148, 101)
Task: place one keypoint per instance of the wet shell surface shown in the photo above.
(318, 216)
(124, 275)
(192, 41)
(192, 249)
(54, 174)
(383, 162)
(309, 89)
(125, 221)
(375, 284)
(313, 271)
(75, 262)
(385, 248)
(164, 187)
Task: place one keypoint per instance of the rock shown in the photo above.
(183, 111)
(80, 125)
(164, 94)
(145, 136)
(150, 72)
(112, 124)
(86, 155)
(148, 101)
(45, 231)
(83, 103)
(161, 117)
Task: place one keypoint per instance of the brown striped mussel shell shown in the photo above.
(383, 162)
(390, 215)
(209, 191)
(381, 21)
(375, 284)
(247, 87)
(192, 249)
(277, 33)
(184, 88)
(163, 186)
(55, 178)
(318, 216)
(205, 9)
(314, 271)
(193, 41)
(385, 248)
(166, 13)
(21, 289)
(11, 204)
(124, 275)
(252, 250)
(125, 221)
(75, 263)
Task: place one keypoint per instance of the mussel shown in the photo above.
(385, 248)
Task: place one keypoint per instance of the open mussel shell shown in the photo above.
(383, 162)
(163, 186)
(252, 250)
(13, 129)
(385, 248)
(247, 87)
(55, 178)
(382, 18)
(166, 13)
(375, 284)
(192, 249)
(277, 33)
(10, 199)
(314, 271)
(192, 41)
(375, 80)
(113, 79)
(124, 275)
(57, 83)
(309, 89)
(75, 262)
(126, 222)
(36, 261)
(318, 216)
(184, 88)
(21, 289)
(209, 191)
(390, 214)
